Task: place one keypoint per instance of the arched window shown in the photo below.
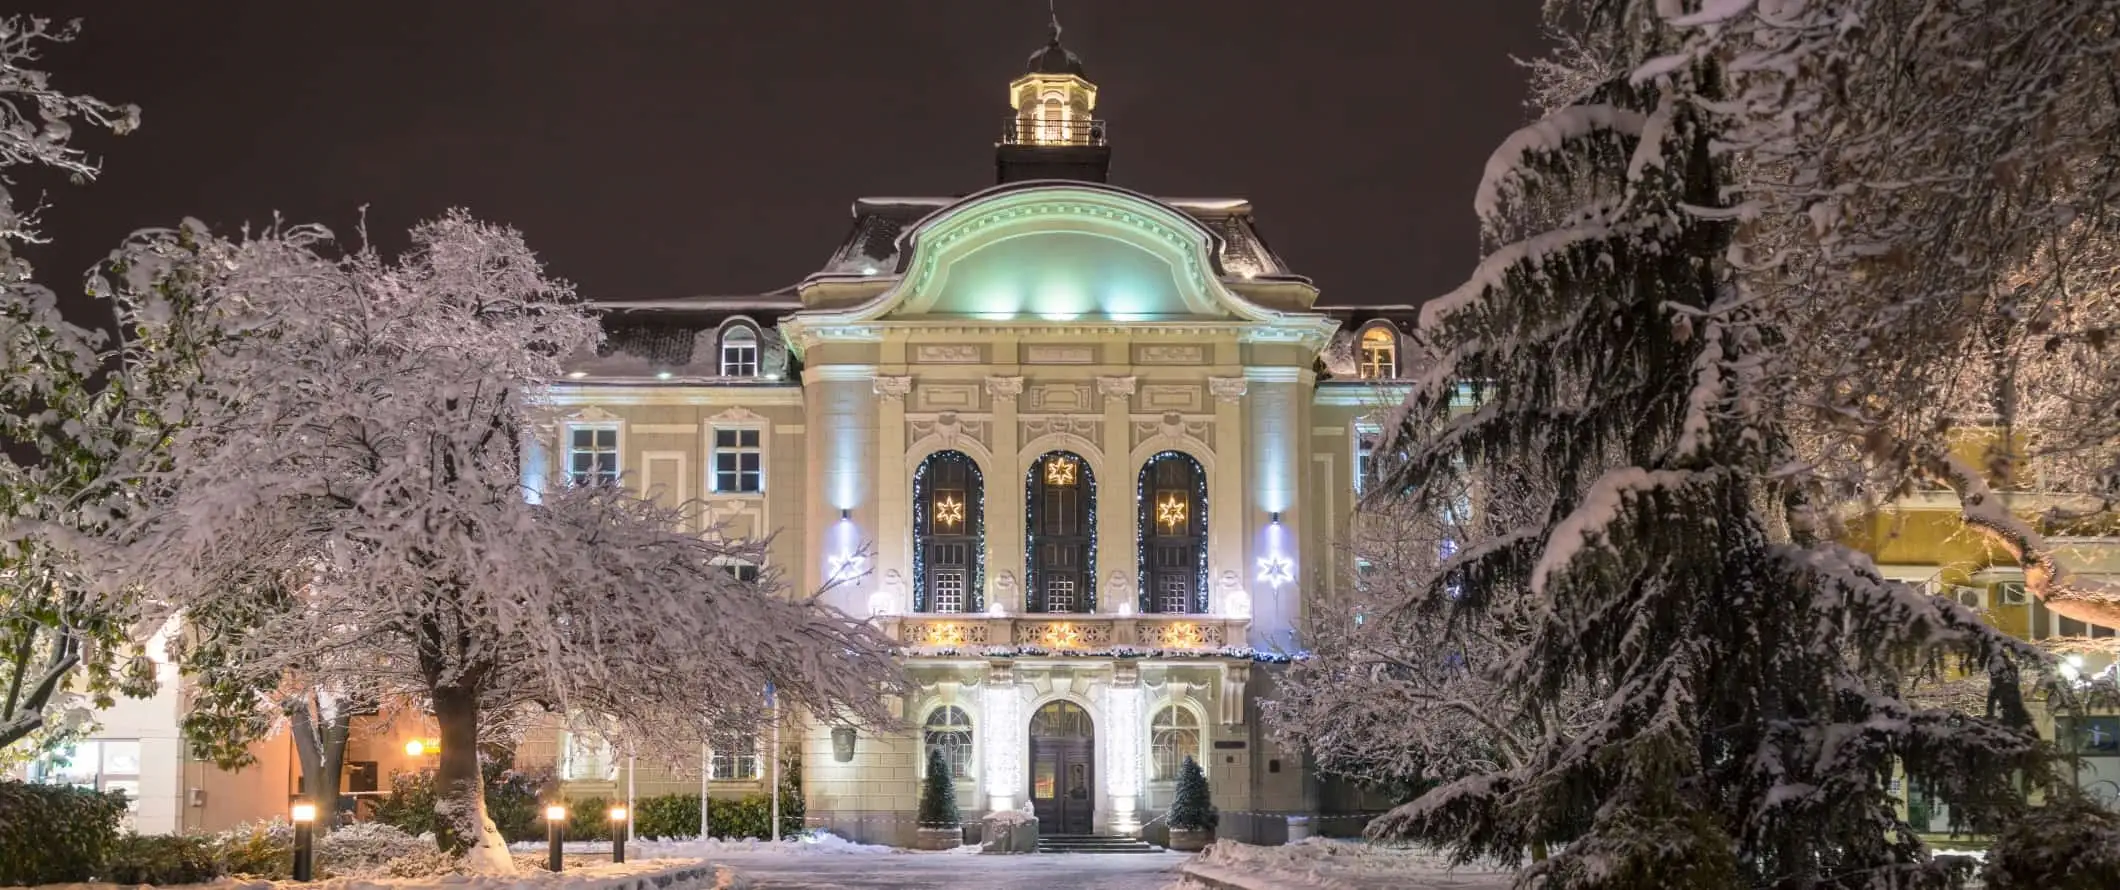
(950, 730)
(1052, 120)
(949, 534)
(1173, 735)
(1173, 524)
(1062, 573)
(1377, 356)
(739, 351)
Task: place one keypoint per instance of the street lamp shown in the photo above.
(304, 815)
(555, 826)
(618, 834)
(422, 748)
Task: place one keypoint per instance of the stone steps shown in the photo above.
(1094, 843)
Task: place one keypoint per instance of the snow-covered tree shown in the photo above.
(1403, 692)
(63, 426)
(348, 493)
(1749, 670)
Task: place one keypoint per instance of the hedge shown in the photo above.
(511, 801)
(160, 859)
(55, 834)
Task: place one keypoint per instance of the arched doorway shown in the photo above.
(1063, 769)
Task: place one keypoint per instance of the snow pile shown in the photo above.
(1336, 865)
(817, 844)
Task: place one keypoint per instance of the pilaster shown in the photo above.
(1230, 493)
(1119, 591)
(892, 479)
(1004, 499)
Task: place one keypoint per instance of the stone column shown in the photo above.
(1004, 497)
(840, 407)
(1124, 744)
(891, 529)
(1118, 557)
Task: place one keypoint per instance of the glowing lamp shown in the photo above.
(618, 814)
(555, 813)
(303, 813)
(576, 375)
(555, 832)
(662, 375)
(618, 834)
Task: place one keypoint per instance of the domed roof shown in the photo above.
(1052, 58)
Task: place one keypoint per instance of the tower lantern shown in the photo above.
(1052, 133)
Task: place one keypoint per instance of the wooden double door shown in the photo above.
(1063, 769)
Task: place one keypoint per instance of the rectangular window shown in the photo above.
(1365, 458)
(949, 590)
(1060, 595)
(592, 454)
(587, 758)
(739, 359)
(742, 571)
(98, 764)
(736, 757)
(739, 464)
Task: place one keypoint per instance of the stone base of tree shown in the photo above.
(1191, 839)
(932, 837)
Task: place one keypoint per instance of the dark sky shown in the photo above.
(652, 149)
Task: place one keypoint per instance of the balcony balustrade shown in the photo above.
(1064, 633)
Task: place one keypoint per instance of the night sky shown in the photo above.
(660, 149)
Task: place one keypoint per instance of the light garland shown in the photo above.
(1033, 588)
(1170, 513)
(999, 707)
(953, 512)
(1243, 653)
(1123, 742)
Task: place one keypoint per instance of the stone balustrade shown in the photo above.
(1061, 633)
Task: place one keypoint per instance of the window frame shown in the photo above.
(1388, 367)
(1040, 572)
(1368, 438)
(722, 765)
(715, 450)
(1198, 728)
(1148, 541)
(963, 757)
(598, 476)
(969, 535)
(740, 336)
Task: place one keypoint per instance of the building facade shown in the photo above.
(1084, 452)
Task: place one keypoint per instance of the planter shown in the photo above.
(933, 837)
(1190, 840)
(1010, 833)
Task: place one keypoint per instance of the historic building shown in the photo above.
(1083, 451)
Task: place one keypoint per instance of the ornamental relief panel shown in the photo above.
(949, 428)
(1170, 397)
(1064, 634)
(945, 634)
(1174, 428)
(1047, 354)
(1170, 354)
(948, 354)
(1181, 635)
(1060, 397)
(1086, 428)
(947, 397)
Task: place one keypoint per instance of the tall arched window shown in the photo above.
(950, 730)
(1377, 355)
(949, 534)
(1062, 574)
(1173, 735)
(739, 351)
(1052, 120)
(1173, 524)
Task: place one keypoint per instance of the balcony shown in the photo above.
(1034, 132)
(1067, 634)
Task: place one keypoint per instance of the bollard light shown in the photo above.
(415, 748)
(618, 834)
(304, 816)
(555, 827)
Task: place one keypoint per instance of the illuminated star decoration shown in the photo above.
(1061, 636)
(1170, 511)
(1060, 471)
(1276, 570)
(949, 511)
(846, 565)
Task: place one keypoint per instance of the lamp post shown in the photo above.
(304, 815)
(555, 826)
(618, 834)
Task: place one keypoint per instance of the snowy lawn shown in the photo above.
(1320, 864)
(827, 862)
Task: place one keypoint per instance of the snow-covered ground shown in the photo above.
(1319, 864)
(826, 862)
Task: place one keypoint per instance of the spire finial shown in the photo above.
(1052, 8)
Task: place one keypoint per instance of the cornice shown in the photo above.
(664, 393)
(824, 373)
(1361, 395)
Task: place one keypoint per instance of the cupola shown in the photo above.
(1052, 133)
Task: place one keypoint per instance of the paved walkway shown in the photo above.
(1072, 871)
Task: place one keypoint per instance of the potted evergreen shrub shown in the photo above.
(1192, 816)
(940, 829)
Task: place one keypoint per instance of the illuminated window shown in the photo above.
(1052, 120)
(592, 454)
(739, 462)
(1378, 358)
(585, 757)
(950, 730)
(1062, 511)
(1173, 736)
(736, 756)
(1173, 517)
(949, 533)
(739, 352)
(1366, 440)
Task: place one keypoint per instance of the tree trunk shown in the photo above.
(459, 791)
(322, 753)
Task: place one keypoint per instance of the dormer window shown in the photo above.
(1377, 354)
(739, 352)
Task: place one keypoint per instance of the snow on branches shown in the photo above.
(348, 485)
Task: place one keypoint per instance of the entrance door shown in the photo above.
(1063, 771)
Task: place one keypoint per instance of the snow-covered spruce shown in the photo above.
(345, 508)
(1747, 673)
